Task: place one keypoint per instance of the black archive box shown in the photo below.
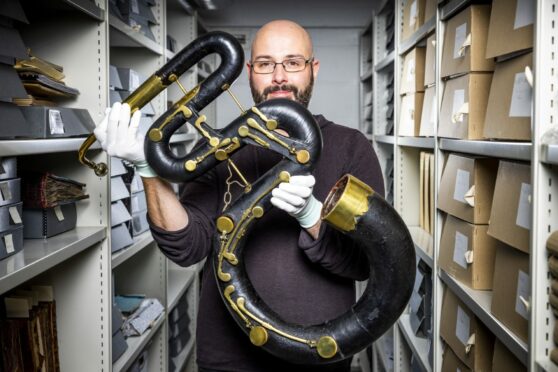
(119, 345)
(8, 168)
(178, 343)
(56, 122)
(10, 191)
(46, 222)
(11, 86)
(14, 124)
(11, 242)
(10, 216)
(120, 236)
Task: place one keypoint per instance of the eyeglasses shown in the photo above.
(290, 65)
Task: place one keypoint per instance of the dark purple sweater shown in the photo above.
(305, 281)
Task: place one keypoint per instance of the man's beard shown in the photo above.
(301, 96)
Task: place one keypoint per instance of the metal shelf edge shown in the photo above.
(389, 59)
(471, 298)
(421, 142)
(455, 6)
(136, 345)
(20, 147)
(40, 255)
(89, 8)
(422, 241)
(549, 154)
(420, 34)
(508, 150)
(384, 138)
(418, 345)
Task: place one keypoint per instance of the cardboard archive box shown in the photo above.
(430, 9)
(508, 115)
(510, 217)
(412, 80)
(467, 253)
(463, 109)
(504, 360)
(512, 290)
(467, 187)
(511, 27)
(465, 334)
(465, 42)
(429, 111)
(426, 196)
(430, 61)
(410, 115)
(413, 17)
(451, 362)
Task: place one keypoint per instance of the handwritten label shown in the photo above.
(55, 122)
(523, 217)
(9, 243)
(5, 192)
(58, 213)
(14, 214)
(524, 13)
(461, 185)
(460, 249)
(460, 37)
(462, 326)
(523, 291)
(522, 97)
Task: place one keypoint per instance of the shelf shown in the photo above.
(480, 303)
(367, 75)
(369, 136)
(390, 140)
(421, 142)
(183, 137)
(179, 281)
(126, 36)
(181, 359)
(136, 346)
(455, 6)
(140, 242)
(419, 345)
(42, 146)
(509, 150)
(424, 244)
(420, 34)
(169, 54)
(87, 7)
(387, 61)
(39, 255)
(549, 154)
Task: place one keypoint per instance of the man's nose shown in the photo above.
(280, 75)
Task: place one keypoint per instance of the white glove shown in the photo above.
(119, 136)
(295, 197)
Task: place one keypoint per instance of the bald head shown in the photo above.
(281, 35)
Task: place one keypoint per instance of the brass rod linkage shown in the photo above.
(228, 89)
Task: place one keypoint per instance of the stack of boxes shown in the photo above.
(120, 201)
(429, 107)
(11, 223)
(138, 206)
(179, 329)
(412, 92)
(135, 13)
(420, 304)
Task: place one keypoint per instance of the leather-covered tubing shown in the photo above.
(379, 232)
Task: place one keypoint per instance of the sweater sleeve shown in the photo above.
(332, 249)
(193, 243)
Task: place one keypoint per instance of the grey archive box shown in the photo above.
(11, 86)
(11, 242)
(114, 78)
(8, 168)
(141, 362)
(119, 345)
(147, 110)
(119, 213)
(10, 191)
(118, 189)
(58, 122)
(46, 222)
(138, 202)
(11, 44)
(180, 310)
(130, 80)
(178, 343)
(120, 237)
(139, 223)
(176, 327)
(117, 167)
(14, 124)
(10, 216)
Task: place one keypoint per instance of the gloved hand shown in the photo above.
(119, 136)
(295, 197)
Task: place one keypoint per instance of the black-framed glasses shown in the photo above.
(289, 65)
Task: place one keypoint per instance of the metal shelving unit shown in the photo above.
(140, 242)
(424, 244)
(418, 345)
(123, 35)
(418, 36)
(420, 142)
(507, 150)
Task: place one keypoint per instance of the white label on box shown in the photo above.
(135, 203)
(55, 122)
(413, 13)
(5, 193)
(524, 13)
(461, 185)
(462, 326)
(134, 80)
(522, 97)
(523, 217)
(411, 70)
(14, 213)
(458, 100)
(460, 37)
(523, 291)
(135, 6)
(460, 249)
(9, 243)
(58, 213)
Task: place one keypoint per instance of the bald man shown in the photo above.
(303, 269)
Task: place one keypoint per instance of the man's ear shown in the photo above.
(315, 67)
(248, 68)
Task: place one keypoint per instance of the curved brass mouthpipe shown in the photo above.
(139, 98)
